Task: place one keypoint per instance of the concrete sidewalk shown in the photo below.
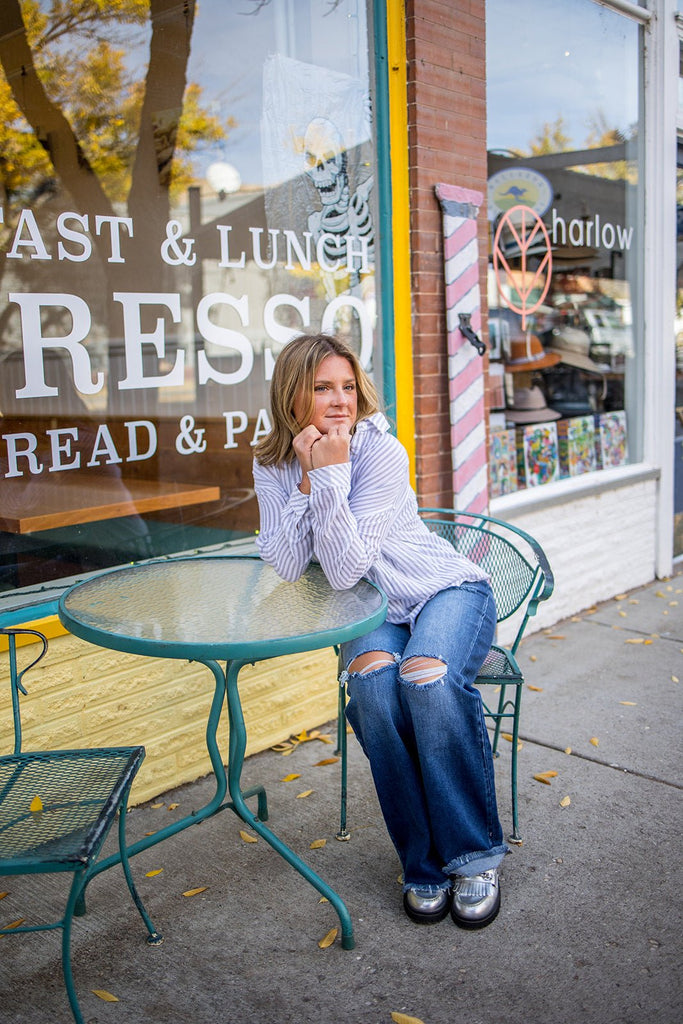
(590, 926)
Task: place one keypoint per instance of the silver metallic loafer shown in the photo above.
(476, 900)
(426, 907)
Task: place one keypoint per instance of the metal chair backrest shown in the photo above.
(520, 573)
(16, 675)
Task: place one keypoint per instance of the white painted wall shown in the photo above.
(599, 538)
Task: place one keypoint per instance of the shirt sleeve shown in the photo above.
(353, 507)
(285, 538)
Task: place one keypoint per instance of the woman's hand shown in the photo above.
(314, 450)
(332, 448)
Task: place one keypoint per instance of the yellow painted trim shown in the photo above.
(400, 214)
(49, 627)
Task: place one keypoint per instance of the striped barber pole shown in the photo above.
(460, 207)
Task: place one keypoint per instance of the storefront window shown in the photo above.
(564, 146)
(184, 187)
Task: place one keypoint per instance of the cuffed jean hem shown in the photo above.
(426, 887)
(474, 863)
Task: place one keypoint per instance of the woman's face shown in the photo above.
(335, 396)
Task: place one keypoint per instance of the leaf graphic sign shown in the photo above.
(522, 235)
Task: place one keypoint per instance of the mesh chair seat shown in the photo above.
(79, 793)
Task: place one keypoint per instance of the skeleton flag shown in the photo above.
(317, 155)
(460, 207)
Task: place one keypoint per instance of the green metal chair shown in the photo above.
(56, 808)
(521, 578)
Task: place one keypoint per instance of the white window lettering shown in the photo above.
(61, 443)
(277, 331)
(35, 344)
(34, 241)
(104, 446)
(262, 427)
(328, 325)
(134, 453)
(78, 237)
(134, 338)
(14, 453)
(256, 246)
(115, 225)
(225, 261)
(235, 423)
(224, 338)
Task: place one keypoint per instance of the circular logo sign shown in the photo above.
(518, 186)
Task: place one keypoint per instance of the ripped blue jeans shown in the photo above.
(427, 742)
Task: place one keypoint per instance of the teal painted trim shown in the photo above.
(385, 234)
(28, 612)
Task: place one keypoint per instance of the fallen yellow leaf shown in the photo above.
(247, 838)
(635, 640)
(14, 924)
(172, 807)
(36, 804)
(537, 689)
(107, 997)
(279, 747)
(543, 779)
(565, 801)
(328, 939)
(306, 792)
(195, 892)
(595, 741)
(647, 642)
(324, 738)
(675, 679)
(326, 760)
(658, 593)
(556, 636)
(151, 874)
(156, 807)
(403, 1018)
(621, 597)
(623, 614)
(532, 657)
(3, 894)
(317, 844)
(628, 703)
(291, 777)
(567, 750)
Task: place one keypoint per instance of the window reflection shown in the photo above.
(564, 141)
(184, 188)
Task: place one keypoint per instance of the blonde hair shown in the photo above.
(293, 376)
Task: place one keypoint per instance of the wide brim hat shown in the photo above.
(527, 354)
(529, 406)
(572, 345)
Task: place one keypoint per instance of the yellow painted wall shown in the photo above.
(82, 696)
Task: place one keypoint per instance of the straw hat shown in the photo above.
(528, 354)
(529, 406)
(572, 346)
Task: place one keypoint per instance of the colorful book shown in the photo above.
(502, 462)
(612, 440)
(577, 446)
(539, 451)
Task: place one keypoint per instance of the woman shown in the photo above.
(332, 485)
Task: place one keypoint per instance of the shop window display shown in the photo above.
(183, 189)
(564, 181)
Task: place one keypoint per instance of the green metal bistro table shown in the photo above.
(231, 609)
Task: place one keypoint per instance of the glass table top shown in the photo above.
(217, 607)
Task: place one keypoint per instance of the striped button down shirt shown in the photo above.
(360, 520)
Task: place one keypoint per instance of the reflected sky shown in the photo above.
(552, 58)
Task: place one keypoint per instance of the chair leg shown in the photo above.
(75, 894)
(515, 837)
(343, 834)
(154, 938)
(498, 720)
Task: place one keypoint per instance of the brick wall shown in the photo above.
(446, 50)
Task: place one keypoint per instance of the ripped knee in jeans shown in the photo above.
(371, 661)
(422, 670)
